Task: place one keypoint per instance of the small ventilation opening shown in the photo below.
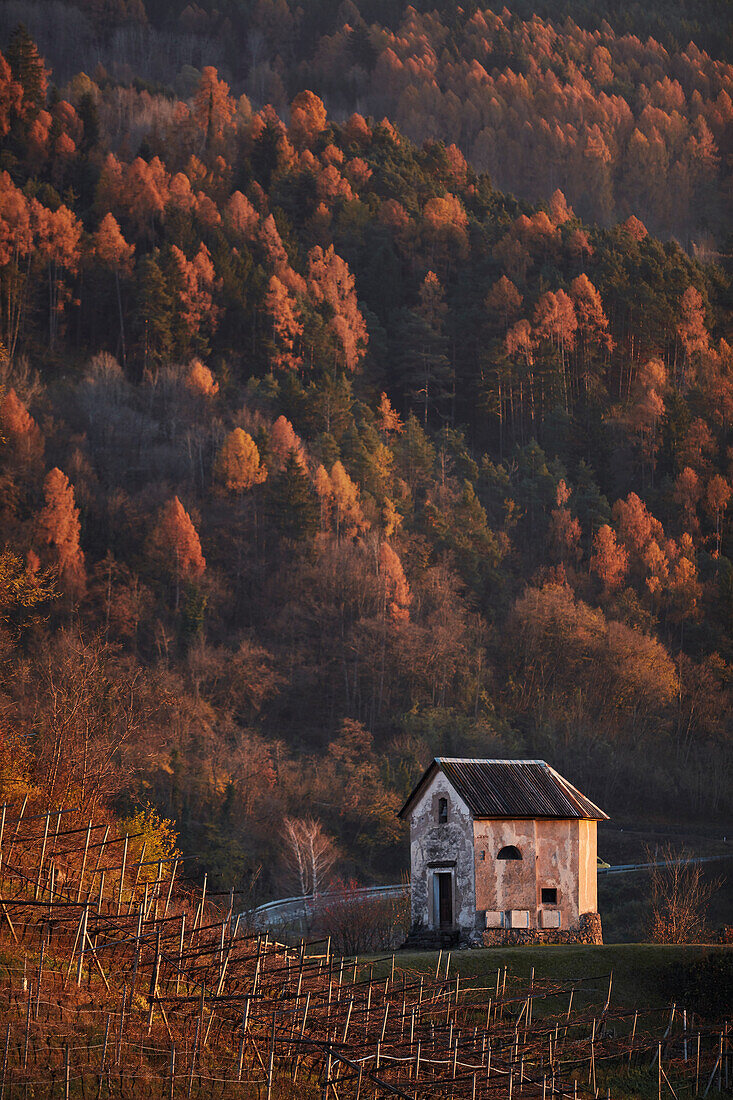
(510, 852)
(549, 896)
(442, 811)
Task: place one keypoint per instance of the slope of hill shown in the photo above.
(321, 455)
(626, 108)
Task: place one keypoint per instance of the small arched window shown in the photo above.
(510, 852)
(442, 811)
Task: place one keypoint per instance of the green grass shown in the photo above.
(640, 970)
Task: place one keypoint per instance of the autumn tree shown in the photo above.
(692, 333)
(388, 420)
(307, 119)
(565, 529)
(20, 429)
(609, 560)
(174, 546)
(648, 406)
(593, 339)
(287, 326)
(237, 467)
(58, 529)
(717, 497)
(283, 442)
(213, 106)
(332, 286)
(397, 595)
(114, 254)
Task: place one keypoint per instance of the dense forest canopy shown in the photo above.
(625, 108)
(321, 454)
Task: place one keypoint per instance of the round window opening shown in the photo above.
(510, 852)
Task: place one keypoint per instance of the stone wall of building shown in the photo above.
(442, 848)
(588, 931)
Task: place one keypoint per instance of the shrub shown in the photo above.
(360, 925)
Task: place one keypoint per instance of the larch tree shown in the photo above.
(59, 531)
(397, 595)
(503, 302)
(564, 531)
(20, 429)
(283, 442)
(287, 326)
(11, 97)
(555, 321)
(609, 560)
(58, 236)
(692, 333)
(237, 467)
(687, 494)
(213, 106)
(200, 380)
(307, 119)
(389, 421)
(114, 253)
(332, 286)
(593, 340)
(717, 498)
(647, 406)
(174, 545)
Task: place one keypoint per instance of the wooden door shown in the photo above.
(445, 900)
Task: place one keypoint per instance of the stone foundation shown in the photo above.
(589, 931)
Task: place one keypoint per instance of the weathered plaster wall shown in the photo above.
(551, 855)
(588, 874)
(433, 843)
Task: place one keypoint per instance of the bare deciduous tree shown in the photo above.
(680, 894)
(310, 851)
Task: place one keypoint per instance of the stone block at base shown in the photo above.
(589, 931)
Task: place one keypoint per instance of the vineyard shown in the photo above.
(121, 981)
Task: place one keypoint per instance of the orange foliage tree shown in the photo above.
(59, 530)
(237, 466)
(174, 546)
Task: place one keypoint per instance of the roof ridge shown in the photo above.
(490, 760)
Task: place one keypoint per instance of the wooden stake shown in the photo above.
(43, 855)
(40, 976)
(271, 1063)
(193, 1058)
(173, 1073)
(5, 1062)
(84, 861)
(122, 875)
(104, 1056)
(84, 937)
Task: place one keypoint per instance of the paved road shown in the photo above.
(284, 910)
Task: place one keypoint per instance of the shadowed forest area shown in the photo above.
(329, 444)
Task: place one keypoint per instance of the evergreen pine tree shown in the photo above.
(154, 319)
(293, 505)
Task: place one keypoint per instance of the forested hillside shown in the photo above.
(320, 454)
(624, 107)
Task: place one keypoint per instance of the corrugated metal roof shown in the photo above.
(511, 788)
